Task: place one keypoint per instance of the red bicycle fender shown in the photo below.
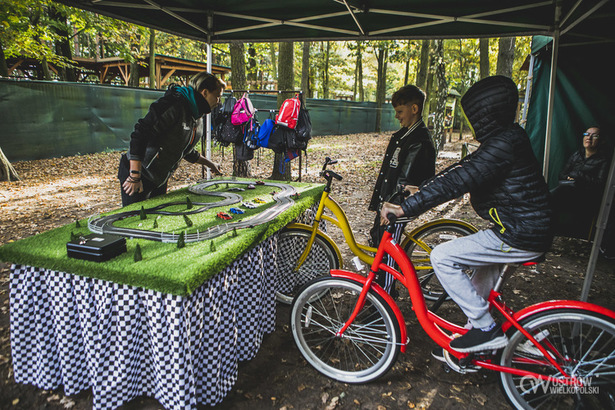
(338, 273)
(558, 304)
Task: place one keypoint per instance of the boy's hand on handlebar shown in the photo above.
(389, 208)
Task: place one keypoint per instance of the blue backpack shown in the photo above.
(264, 132)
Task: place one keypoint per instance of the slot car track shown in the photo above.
(283, 201)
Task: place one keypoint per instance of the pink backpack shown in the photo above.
(243, 111)
(289, 112)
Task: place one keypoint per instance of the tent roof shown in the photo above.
(219, 21)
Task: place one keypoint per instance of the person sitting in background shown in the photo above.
(169, 132)
(576, 200)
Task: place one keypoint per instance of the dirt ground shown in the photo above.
(55, 192)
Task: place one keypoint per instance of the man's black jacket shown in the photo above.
(167, 134)
(502, 175)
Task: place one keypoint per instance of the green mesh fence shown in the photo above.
(51, 119)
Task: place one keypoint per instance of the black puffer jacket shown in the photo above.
(168, 133)
(502, 175)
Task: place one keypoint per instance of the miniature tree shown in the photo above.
(138, 256)
(188, 203)
(188, 221)
(155, 225)
(142, 214)
(212, 247)
(77, 224)
(74, 237)
(181, 243)
(234, 235)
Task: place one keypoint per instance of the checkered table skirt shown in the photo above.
(124, 342)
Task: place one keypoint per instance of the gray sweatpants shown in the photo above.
(485, 254)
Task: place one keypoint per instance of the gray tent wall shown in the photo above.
(42, 119)
(583, 93)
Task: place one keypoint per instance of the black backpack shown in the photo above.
(220, 117)
(298, 140)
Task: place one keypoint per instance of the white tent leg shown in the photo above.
(545, 166)
(208, 117)
(603, 217)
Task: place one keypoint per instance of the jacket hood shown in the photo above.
(490, 106)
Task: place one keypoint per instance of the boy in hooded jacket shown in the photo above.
(506, 187)
(168, 133)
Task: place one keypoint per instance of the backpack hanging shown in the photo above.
(289, 112)
(250, 133)
(264, 132)
(243, 110)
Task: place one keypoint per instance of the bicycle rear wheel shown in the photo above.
(368, 348)
(321, 259)
(429, 238)
(583, 344)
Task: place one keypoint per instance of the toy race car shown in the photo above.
(250, 186)
(224, 215)
(249, 205)
(236, 211)
(259, 201)
(260, 183)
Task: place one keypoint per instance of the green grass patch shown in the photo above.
(164, 267)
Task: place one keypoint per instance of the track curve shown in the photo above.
(283, 201)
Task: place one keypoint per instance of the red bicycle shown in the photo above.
(561, 354)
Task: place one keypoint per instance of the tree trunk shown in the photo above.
(7, 172)
(62, 45)
(133, 79)
(382, 57)
(152, 58)
(251, 65)
(274, 64)
(506, 56)
(325, 73)
(359, 75)
(286, 81)
(407, 73)
(238, 81)
(305, 70)
(423, 67)
(4, 68)
(484, 57)
(441, 94)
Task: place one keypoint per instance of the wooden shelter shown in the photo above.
(115, 70)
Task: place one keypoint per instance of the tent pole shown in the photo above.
(208, 118)
(603, 217)
(545, 167)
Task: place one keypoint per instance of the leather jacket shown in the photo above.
(502, 176)
(410, 159)
(168, 133)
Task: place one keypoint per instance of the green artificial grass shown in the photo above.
(163, 266)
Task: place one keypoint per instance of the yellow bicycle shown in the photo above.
(306, 252)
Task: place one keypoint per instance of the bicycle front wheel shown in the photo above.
(582, 343)
(419, 246)
(368, 348)
(321, 259)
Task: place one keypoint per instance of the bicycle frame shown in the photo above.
(364, 252)
(341, 221)
(433, 324)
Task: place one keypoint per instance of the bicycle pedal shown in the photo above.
(456, 365)
(466, 361)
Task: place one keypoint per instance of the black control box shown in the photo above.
(96, 247)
